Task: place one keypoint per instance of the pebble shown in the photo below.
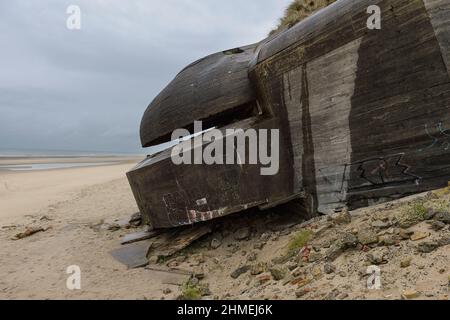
(242, 234)
(419, 235)
(241, 270)
(437, 225)
(328, 268)
(367, 237)
(277, 273)
(443, 217)
(406, 262)
(258, 268)
(427, 246)
(380, 224)
(410, 294)
(215, 243)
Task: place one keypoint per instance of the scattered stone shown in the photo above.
(215, 243)
(314, 256)
(241, 270)
(258, 268)
(334, 252)
(277, 273)
(113, 227)
(343, 217)
(302, 292)
(367, 237)
(429, 214)
(242, 234)
(349, 240)
(317, 272)
(386, 240)
(265, 237)
(328, 268)
(437, 225)
(406, 262)
(427, 246)
(380, 224)
(193, 281)
(410, 294)
(419, 235)
(198, 273)
(377, 257)
(167, 291)
(136, 219)
(342, 296)
(444, 241)
(405, 234)
(342, 274)
(443, 217)
(252, 256)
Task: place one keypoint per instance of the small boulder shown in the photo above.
(367, 237)
(277, 273)
(242, 234)
(241, 270)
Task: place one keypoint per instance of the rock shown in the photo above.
(135, 219)
(215, 243)
(316, 272)
(410, 294)
(342, 274)
(380, 224)
(367, 237)
(437, 225)
(342, 296)
(334, 252)
(204, 289)
(443, 241)
(193, 281)
(314, 256)
(419, 235)
(443, 217)
(302, 292)
(405, 234)
(252, 256)
(377, 257)
(429, 214)
(328, 268)
(348, 241)
(265, 237)
(258, 268)
(386, 240)
(167, 291)
(113, 227)
(242, 234)
(277, 273)
(198, 273)
(343, 217)
(241, 270)
(406, 262)
(345, 242)
(427, 246)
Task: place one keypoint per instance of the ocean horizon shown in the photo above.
(65, 153)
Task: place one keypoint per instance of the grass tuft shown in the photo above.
(299, 240)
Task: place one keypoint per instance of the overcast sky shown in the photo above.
(87, 89)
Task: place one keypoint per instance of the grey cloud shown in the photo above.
(87, 89)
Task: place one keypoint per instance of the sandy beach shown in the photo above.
(68, 202)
